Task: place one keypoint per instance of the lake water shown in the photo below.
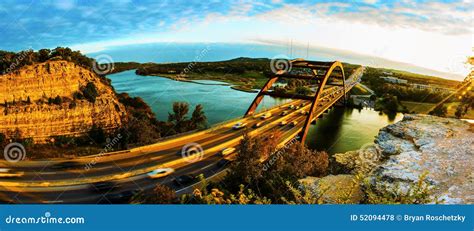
(338, 131)
(220, 102)
(345, 129)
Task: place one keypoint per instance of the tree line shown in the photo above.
(11, 61)
(234, 66)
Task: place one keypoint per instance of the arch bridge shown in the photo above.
(328, 77)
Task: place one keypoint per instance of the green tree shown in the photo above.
(299, 161)
(43, 55)
(391, 104)
(248, 168)
(466, 104)
(388, 103)
(440, 110)
(279, 89)
(265, 170)
(141, 130)
(179, 116)
(198, 118)
(302, 90)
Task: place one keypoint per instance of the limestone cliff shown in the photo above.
(45, 99)
(441, 147)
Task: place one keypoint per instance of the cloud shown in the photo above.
(425, 33)
(64, 4)
(371, 1)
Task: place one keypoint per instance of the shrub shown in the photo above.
(162, 194)
(90, 92)
(419, 192)
(78, 95)
(216, 196)
(3, 139)
(64, 141)
(58, 100)
(440, 110)
(299, 161)
(97, 134)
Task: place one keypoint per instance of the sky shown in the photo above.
(434, 35)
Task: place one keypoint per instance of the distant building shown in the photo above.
(430, 87)
(420, 86)
(393, 80)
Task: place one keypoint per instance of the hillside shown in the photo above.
(56, 98)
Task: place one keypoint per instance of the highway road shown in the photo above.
(75, 181)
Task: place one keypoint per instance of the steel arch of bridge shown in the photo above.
(320, 71)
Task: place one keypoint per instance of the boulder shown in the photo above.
(440, 147)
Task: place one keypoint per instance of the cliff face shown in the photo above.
(441, 147)
(45, 100)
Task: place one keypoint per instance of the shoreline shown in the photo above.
(238, 88)
(189, 80)
(232, 86)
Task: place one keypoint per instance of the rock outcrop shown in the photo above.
(334, 189)
(27, 110)
(441, 147)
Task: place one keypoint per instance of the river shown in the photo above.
(340, 130)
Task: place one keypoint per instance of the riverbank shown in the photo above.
(237, 82)
(198, 78)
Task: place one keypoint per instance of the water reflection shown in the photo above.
(345, 129)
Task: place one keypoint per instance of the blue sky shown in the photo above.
(431, 34)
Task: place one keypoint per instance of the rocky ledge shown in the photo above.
(441, 148)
